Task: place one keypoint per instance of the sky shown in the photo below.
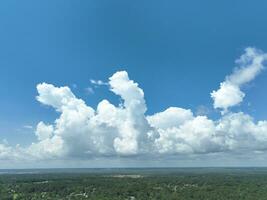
(134, 83)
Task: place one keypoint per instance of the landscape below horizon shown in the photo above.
(131, 184)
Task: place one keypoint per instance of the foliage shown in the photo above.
(137, 185)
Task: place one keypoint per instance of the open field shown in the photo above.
(143, 184)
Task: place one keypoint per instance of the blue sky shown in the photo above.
(178, 52)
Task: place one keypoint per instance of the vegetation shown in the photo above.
(132, 184)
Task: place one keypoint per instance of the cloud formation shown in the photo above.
(98, 82)
(43, 131)
(83, 132)
(250, 64)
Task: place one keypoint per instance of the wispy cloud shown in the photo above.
(203, 110)
(98, 82)
(89, 91)
(28, 127)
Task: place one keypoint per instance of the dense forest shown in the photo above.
(137, 184)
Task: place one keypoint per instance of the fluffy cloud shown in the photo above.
(193, 136)
(250, 65)
(83, 132)
(242, 133)
(235, 132)
(5, 151)
(8, 153)
(43, 131)
(171, 117)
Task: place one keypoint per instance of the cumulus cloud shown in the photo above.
(43, 131)
(250, 64)
(125, 130)
(9, 153)
(171, 117)
(134, 124)
(5, 151)
(81, 131)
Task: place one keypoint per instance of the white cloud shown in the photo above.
(171, 117)
(250, 64)
(48, 148)
(5, 151)
(58, 97)
(43, 131)
(80, 131)
(242, 133)
(227, 96)
(133, 123)
(98, 82)
(9, 153)
(109, 130)
(193, 136)
(235, 132)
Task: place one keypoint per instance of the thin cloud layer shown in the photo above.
(83, 132)
(97, 82)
